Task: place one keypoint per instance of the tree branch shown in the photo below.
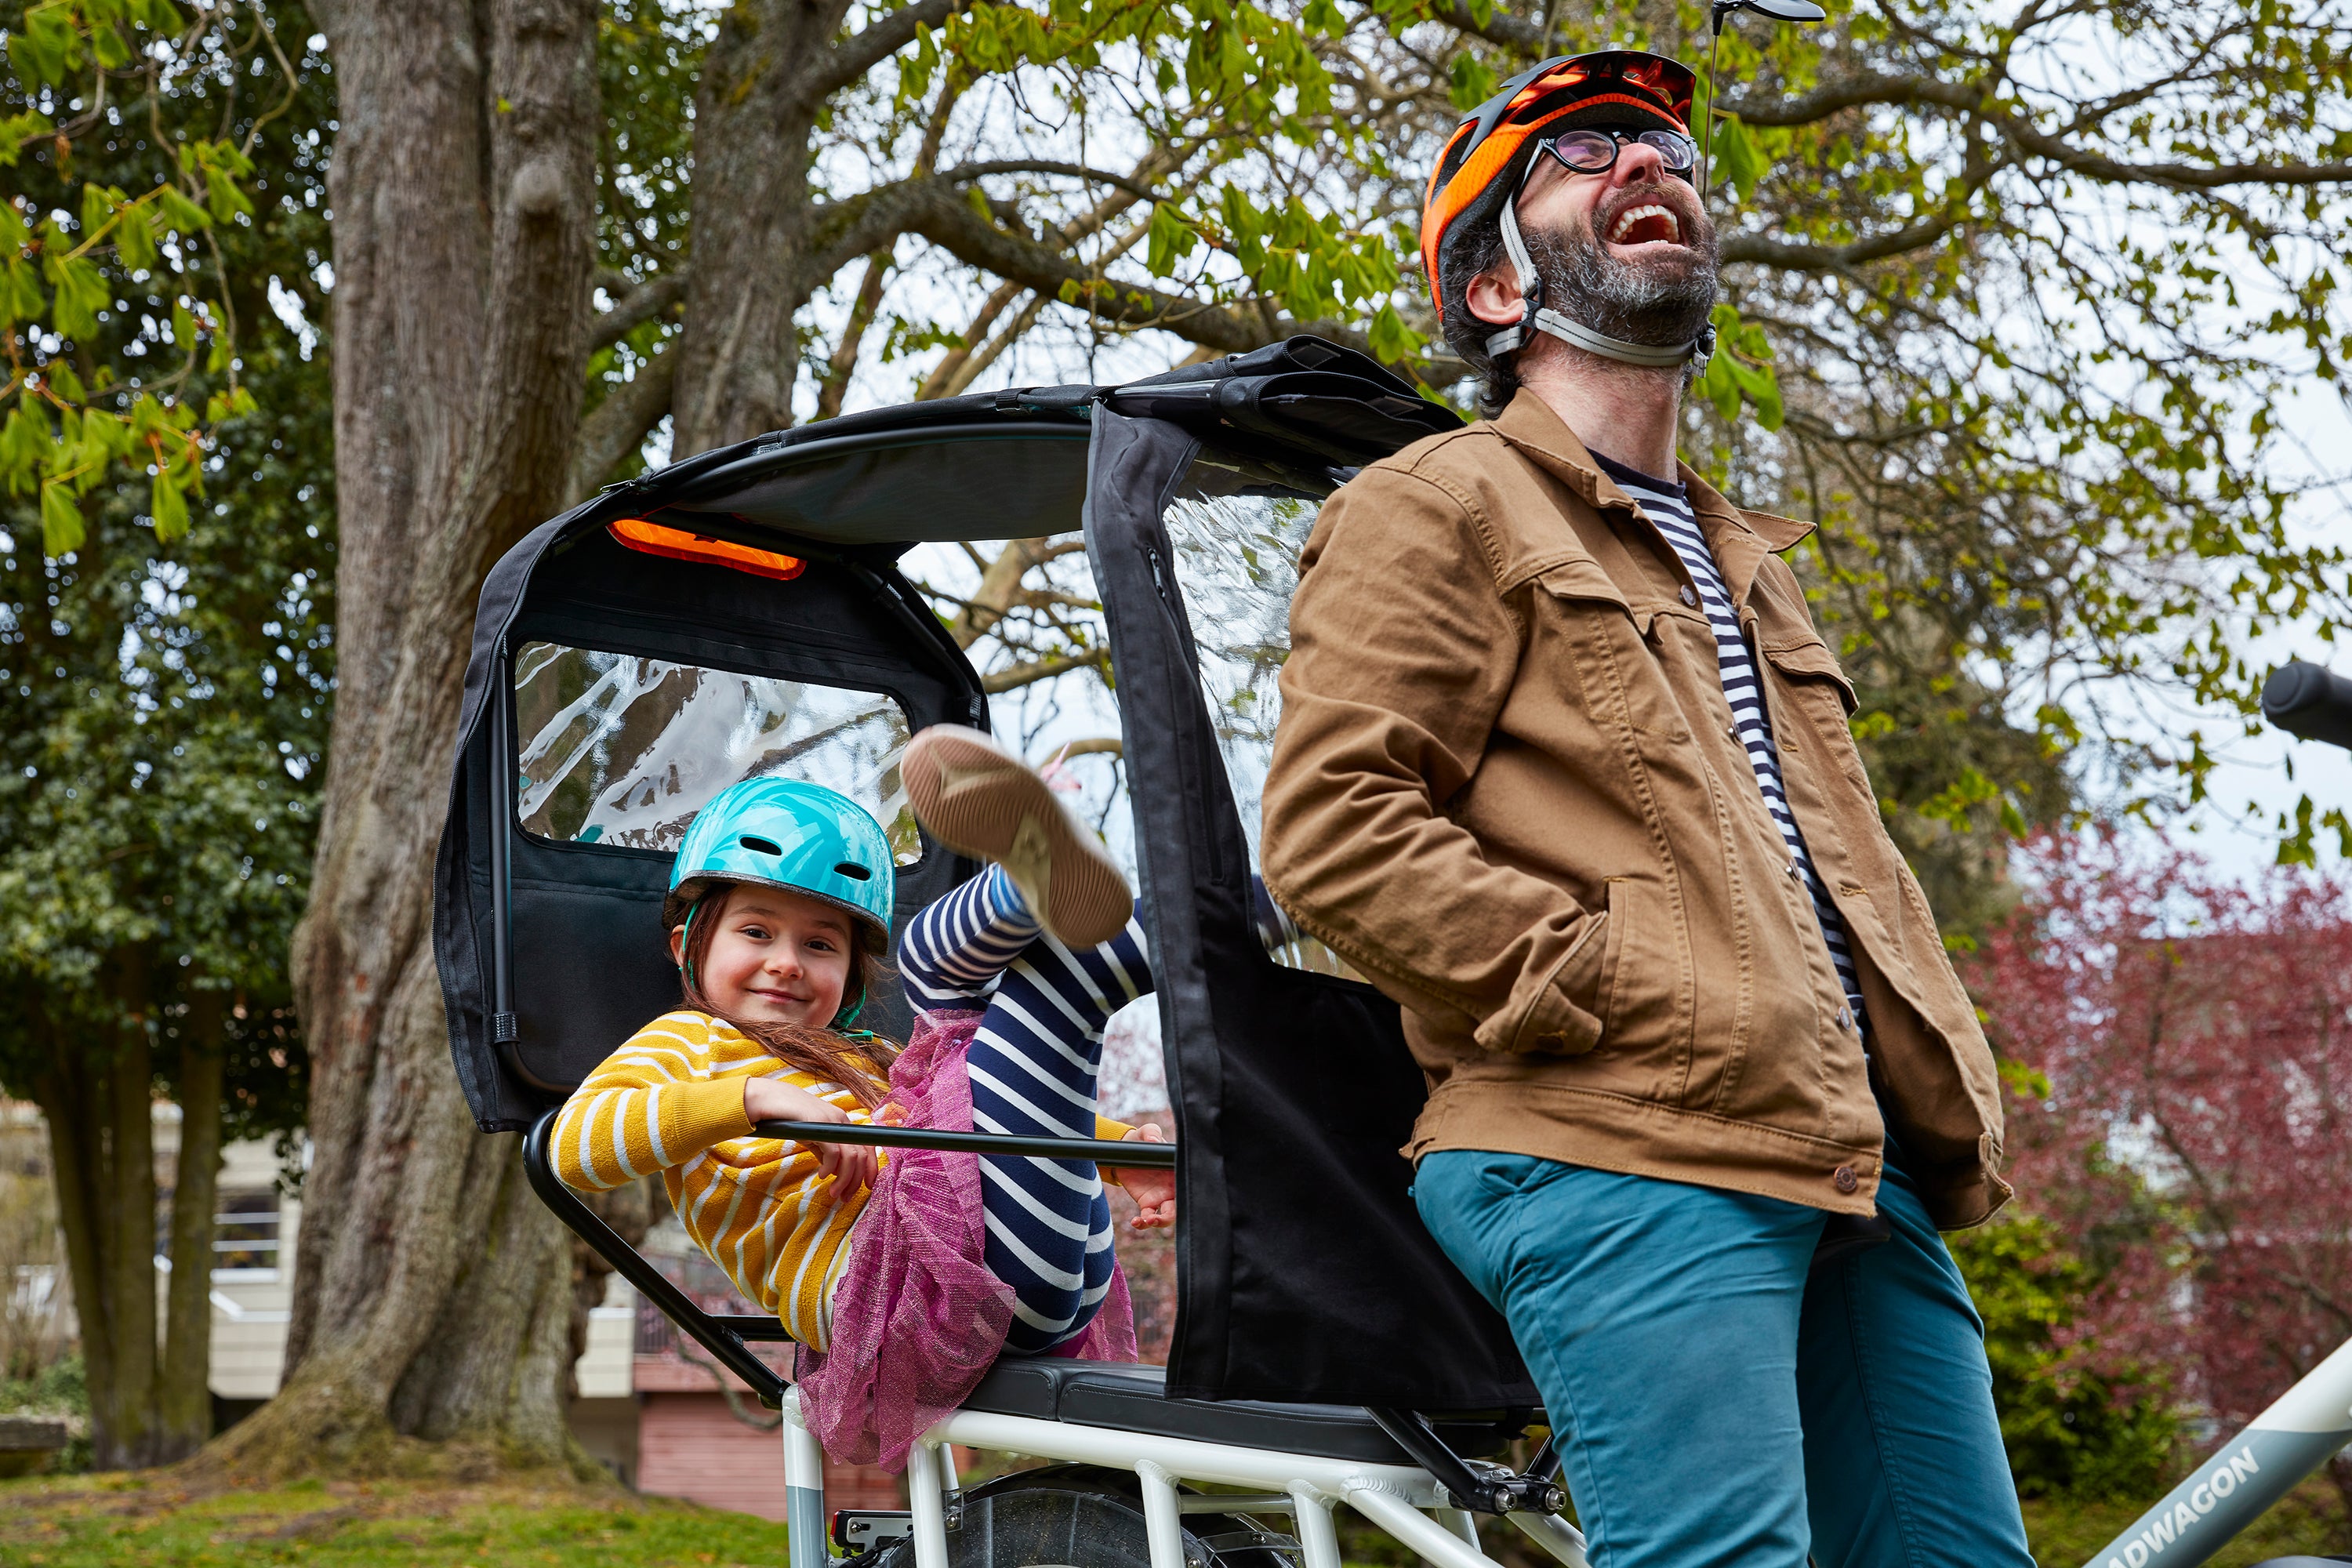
(1876, 90)
(835, 385)
(1511, 32)
(619, 425)
(1762, 252)
(1029, 674)
(851, 58)
(1037, 166)
(639, 305)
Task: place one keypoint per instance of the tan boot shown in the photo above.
(979, 799)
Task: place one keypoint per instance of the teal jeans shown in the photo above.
(1717, 1405)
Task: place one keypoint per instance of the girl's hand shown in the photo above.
(851, 1165)
(1154, 1191)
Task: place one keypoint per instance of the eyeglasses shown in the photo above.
(1595, 152)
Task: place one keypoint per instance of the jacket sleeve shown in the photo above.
(1403, 651)
(644, 1110)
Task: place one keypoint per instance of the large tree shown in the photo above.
(560, 230)
(2181, 1046)
(164, 549)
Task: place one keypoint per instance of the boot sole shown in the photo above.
(979, 800)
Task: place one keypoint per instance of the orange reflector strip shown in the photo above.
(680, 545)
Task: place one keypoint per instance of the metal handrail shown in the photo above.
(723, 1336)
(1131, 1156)
(726, 1335)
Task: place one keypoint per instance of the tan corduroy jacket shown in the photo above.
(1506, 787)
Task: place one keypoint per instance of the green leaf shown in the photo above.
(1172, 240)
(46, 47)
(183, 326)
(222, 196)
(1391, 340)
(17, 129)
(1473, 81)
(62, 529)
(63, 381)
(170, 508)
(97, 208)
(134, 239)
(82, 293)
(179, 213)
(25, 443)
(21, 299)
(1736, 157)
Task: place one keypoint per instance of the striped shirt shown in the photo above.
(1668, 506)
(672, 1100)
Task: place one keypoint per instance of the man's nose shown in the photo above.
(1637, 163)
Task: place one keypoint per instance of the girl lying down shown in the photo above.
(903, 1276)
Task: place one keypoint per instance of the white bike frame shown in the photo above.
(1303, 1485)
(2302, 1430)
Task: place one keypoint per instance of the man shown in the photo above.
(1563, 766)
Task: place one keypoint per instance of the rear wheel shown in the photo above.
(1084, 1516)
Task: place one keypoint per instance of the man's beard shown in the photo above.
(1660, 301)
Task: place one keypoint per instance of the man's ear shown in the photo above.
(1493, 295)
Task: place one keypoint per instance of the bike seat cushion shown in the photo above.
(1132, 1398)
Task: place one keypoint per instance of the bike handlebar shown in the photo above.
(2311, 704)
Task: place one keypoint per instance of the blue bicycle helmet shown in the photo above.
(781, 833)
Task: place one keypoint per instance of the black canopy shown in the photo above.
(1304, 1273)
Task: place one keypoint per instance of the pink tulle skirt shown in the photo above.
(918, 1319)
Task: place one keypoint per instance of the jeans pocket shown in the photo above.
(1507, 1175)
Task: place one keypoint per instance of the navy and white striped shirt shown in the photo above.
(1668, 506)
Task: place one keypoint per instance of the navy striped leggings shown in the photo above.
(1033, 1064)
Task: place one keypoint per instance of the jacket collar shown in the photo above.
(1740, 538)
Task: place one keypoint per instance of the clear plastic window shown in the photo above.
(1237, 540)
(615, 749)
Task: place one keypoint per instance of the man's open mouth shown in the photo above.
(1645, 224)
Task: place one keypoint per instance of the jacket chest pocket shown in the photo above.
(1582, 621)
(1816, 700)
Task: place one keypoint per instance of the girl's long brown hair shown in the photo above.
(860, 1066)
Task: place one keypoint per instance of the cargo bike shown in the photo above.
(744, 611)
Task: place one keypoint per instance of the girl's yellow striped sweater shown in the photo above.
(672, 1100)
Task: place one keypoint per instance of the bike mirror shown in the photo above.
(1776, 10)
(2310, 703)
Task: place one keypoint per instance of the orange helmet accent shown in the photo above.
(1617, 87)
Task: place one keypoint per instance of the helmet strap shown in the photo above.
(686, 935)
(1576, 334)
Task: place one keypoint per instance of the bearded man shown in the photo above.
(1564, 768)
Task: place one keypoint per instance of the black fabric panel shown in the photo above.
(1304, 1273)
(960, 482)
(588, 960)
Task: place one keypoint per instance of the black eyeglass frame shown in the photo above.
(1666, 143)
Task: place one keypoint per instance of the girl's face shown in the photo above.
(775, 957)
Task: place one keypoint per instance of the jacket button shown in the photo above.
(1845, 1018)
(1794, 874)
(1844, 1179)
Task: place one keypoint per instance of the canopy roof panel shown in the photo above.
(1012, 464)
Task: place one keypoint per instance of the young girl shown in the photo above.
(904, 1276)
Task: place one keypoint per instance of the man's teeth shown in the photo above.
(1633, 215)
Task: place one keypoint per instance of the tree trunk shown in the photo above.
(739, 355)
(463, 185)
(184, 1395)
(144, 1410)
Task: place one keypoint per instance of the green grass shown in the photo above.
(87, 1522)
(2307, 1519)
